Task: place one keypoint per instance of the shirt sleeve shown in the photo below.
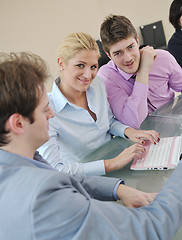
(116, 188)
(72, 210)
(51, 152)
(116, 127)
(128, 109)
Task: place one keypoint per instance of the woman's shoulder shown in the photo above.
(97, 82)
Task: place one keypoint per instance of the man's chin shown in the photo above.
(130, 70)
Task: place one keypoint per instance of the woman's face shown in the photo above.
(80, 71)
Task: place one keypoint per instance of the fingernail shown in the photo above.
(158, 139)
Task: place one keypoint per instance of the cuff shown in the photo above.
(96, 168)
(116, 188)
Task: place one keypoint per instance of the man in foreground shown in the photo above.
(38, 202)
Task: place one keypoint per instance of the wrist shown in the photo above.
(127, 132)
(142, 77)
(121, 191)
(110, 165)
(107, 165)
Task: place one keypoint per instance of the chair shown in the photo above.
(103, 58)
(153, 35)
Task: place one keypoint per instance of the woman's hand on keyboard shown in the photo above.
(139, 136)
(124, 157)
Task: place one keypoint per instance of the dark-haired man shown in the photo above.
(137, 81)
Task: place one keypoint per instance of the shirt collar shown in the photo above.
(58, 98)
(60, 101)
(126, 76)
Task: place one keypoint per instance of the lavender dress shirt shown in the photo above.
(130, 102)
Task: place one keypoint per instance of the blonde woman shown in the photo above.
(83, 119)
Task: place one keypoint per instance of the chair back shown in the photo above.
(153, 35)
(103, 58)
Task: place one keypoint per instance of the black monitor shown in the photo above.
(153, 35)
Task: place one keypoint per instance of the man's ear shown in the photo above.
(108, 54)
(138, 42)
(15, 123)
(60, 63)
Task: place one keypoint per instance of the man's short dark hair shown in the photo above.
(22, 77)
(114, 29)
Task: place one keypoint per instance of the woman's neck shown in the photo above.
(73, 96)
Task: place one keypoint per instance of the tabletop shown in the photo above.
(168, 122)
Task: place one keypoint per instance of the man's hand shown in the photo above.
(147, 56)
(134, 198)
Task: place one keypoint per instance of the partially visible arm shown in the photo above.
(51, 152)
(104, 188)
(139, 136)
(147, 56)
(71, 211)
(129, 108)
(116, 128)
(132, 197)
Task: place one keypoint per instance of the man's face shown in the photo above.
(38, 130)
(126, 54)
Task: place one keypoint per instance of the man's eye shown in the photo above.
(117, 54)
(131, 47)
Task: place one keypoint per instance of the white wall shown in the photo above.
(40, 25)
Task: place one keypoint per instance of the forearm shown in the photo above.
(101, 188)
(51, 152)
(131, 109)
(95, 168)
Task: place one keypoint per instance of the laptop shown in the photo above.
(164, 155)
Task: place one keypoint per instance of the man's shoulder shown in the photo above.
(162, 52)
(108, 73)
(163, 56)
(106, 68)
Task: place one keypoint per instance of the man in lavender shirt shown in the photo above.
(137, 81)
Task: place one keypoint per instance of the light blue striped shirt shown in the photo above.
(74, 133)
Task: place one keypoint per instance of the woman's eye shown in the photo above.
(93, 67)
(80, 65)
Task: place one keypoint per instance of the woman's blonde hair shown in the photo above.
(74, 43)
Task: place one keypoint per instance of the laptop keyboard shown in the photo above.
(159, 154)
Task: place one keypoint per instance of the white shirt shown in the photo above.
(74, 133)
